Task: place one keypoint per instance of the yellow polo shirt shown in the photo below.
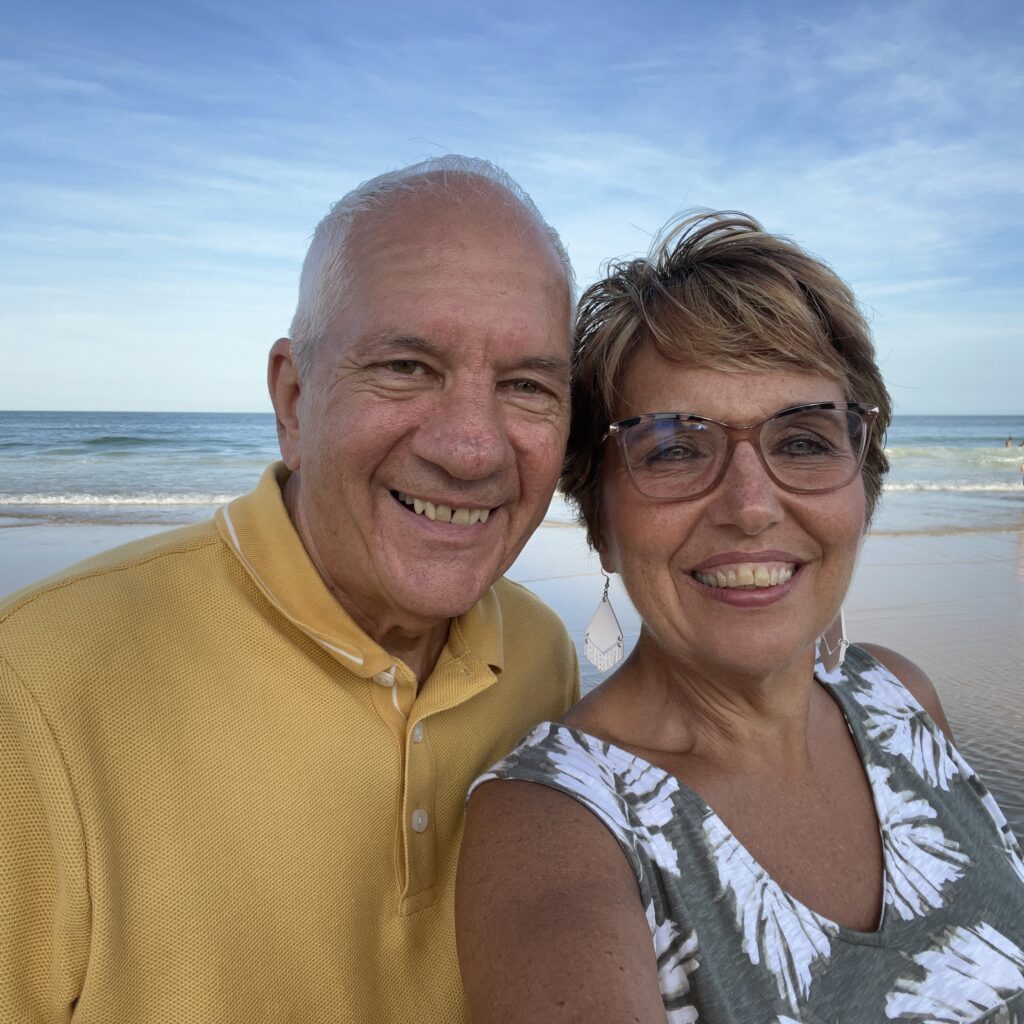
(221, 801)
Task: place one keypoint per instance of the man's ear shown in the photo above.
(283, 383)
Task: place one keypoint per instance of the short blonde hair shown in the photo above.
(716, 291)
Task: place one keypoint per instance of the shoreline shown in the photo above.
(14, 520)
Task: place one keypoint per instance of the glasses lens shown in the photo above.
(814, 449)
(672, 458)
(805, 450)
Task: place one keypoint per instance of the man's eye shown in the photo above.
(525, 387)
(405, 367)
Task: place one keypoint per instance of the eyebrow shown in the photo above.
(544, 364)
(413, 343)
(405, 342)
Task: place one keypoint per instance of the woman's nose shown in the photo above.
(746, 496)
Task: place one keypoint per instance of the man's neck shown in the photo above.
(420, 653)
(417, 644)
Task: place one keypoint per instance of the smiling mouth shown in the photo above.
(747, 575)
(442, 513)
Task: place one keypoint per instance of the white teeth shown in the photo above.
(750, 576)
(444, 513)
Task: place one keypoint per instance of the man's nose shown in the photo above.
(746, 496)
(466, 433)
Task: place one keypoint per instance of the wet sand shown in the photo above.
(30, 551)
(952, 602)
(955, 605)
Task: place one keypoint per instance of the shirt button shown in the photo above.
(420, 820)
(386, 678)
(417, 732)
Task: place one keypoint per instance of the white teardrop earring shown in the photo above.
(832, 644)
(603, 643)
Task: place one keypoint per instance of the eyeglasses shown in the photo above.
(806, 449)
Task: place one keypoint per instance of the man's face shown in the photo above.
(430, 429)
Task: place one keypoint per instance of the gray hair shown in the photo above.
(326, 271)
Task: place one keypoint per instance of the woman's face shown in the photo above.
(747, 523)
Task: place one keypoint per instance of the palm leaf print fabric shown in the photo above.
(730, 944)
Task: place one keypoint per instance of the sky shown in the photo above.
(163, 166)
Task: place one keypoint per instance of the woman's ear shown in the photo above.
(609, 563)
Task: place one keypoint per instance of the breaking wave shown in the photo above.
(953, 456)
(116, 499)
(953, 486)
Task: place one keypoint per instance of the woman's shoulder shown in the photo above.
(538, 869)
(547, 750)
(568, 759)
(619, 793)
(548, 806)
(551, 756)
(914, 679)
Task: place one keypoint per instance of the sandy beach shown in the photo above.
(951, 601)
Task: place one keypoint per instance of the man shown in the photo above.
(233, 758)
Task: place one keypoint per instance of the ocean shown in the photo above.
(163, 468)
(949, 473)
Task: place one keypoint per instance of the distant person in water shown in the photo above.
(1009, 443)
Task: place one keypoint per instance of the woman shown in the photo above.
(725, 830)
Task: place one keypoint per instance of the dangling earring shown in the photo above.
(832, 644)
(603, 643)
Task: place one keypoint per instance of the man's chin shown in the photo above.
(445, 592)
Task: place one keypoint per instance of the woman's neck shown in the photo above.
(692, 708)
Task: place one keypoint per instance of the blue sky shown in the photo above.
(164, 165)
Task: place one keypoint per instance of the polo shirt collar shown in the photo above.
(257, 529)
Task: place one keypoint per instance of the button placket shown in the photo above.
(420, 818)
(420, 827)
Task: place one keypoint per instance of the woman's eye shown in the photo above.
(804, 444)
(673, 453)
